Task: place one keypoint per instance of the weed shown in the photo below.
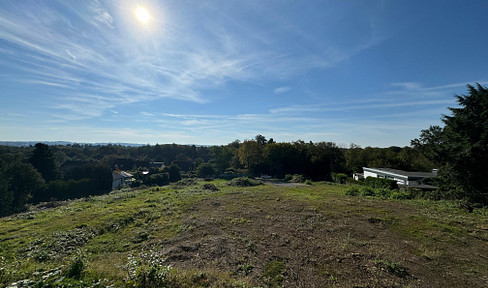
(352, 191)
(240, 220)
(394, 268)
(76, 268)
(274, 272)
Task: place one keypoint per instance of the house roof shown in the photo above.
(396, 172)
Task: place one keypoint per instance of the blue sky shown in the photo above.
(372, 73)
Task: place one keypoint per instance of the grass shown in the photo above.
(264, 235)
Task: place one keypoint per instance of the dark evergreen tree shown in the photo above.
(205, 170)
(43, 160)
(174, 172)
(461, 147)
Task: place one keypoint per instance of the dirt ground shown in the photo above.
(282, 242)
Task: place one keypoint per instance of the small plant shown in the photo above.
(150, 276)
(366, 191)
(392, 267)
(240, 220)
(274, 272)
(245, 269)
(400, 195)
(76, 268)
(352, 191)
(297, 178)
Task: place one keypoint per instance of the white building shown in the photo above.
(121, 179)
(401, 177)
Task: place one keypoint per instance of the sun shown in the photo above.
(142, 15)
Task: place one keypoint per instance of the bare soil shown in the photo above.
(321, 244)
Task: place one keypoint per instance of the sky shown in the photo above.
(374, 73)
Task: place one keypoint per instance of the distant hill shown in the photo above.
(64, 143)
(32, 143)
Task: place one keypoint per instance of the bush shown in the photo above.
(381, 183)
(184, 183)
(151, 277)
(159, 179)
(244, 182)
(76, 268)
(205, 170)
(62, 190)
(296, 178)
(400, 195)
(352, 191)
(338, 177)
(382, 192)
(366, 191)
(210, 187)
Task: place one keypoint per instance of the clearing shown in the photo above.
(268, 236)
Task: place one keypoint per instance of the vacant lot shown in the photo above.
(269, 236)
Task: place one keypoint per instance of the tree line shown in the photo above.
(459, 150)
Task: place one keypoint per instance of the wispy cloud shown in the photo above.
(280, 90)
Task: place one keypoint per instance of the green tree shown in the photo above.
(43, 160)
(461, 147)
(251, 155)
(174, 172)
(19, 183)
(205, 170)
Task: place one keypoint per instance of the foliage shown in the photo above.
(381, 183)
(153, 276)
(43, 160)
(250, 155)
(384, 193)
(339, 177)
(406, 158)
(205, 170)
(352, 191)
(18, 183)
(159, 179)
(174, 172)
(210, 187)
(76, 268)
(273, 272)
(67, 189)
(244, 182)
(296, 178)
(460, 148)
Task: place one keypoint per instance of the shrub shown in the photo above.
(296, 178)
(210, 187)
(184, 183)
(205, 170)
(352, 191)
(382, 192)
(381, 183)
(151, 277)
(366, 191)
(244, 182)
(400, 195)
(338, 177)
(76, 268)
(159, 179)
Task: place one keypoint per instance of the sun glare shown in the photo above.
(142, 15)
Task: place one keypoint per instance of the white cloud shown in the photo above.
(280, 90)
